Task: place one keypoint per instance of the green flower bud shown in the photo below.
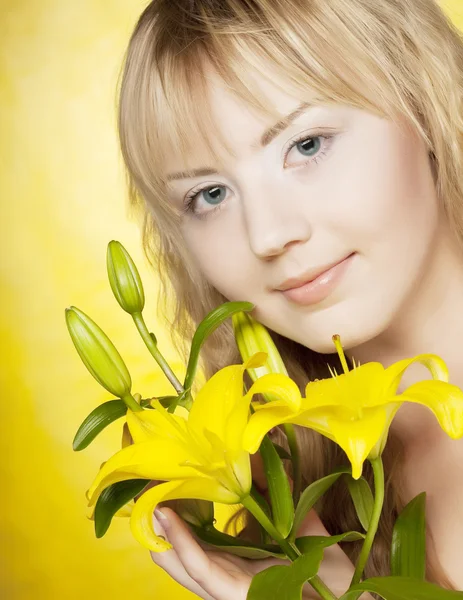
(251, 337)
(196, 512)
(98, 353)
(124, 278)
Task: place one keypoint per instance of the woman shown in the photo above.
(273, 143)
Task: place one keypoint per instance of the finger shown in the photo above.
(172, 565)
(212, 577)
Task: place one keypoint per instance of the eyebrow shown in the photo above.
(266, 138)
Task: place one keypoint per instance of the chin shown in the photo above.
(354, 329)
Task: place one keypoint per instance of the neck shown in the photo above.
(430, 322)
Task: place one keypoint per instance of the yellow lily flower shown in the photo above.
(355, 409)
(199, 457)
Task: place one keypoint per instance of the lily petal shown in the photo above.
(356, 388)
(289, 400)
(141, 522)
(315, 419)
(358, 437)
(432, 362)
(145, 425)
(443, 399)
(280, 386)
(157, 459)
(258, 359)
(237, 422)
(391, 409)
(261, 422)
(215, 401)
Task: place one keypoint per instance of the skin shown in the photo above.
(368, 190)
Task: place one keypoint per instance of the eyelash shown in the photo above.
(191, 196)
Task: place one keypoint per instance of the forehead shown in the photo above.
(231, 122)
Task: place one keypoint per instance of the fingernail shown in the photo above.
(163, 520)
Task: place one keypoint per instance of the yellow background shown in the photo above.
(62, 199)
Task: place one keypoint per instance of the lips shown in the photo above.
(307, 277)
(312, 291)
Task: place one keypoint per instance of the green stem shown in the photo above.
(289, 548)
(152, 347)
(257, 497)
(132, 403)
(295, 459)
(378, 472)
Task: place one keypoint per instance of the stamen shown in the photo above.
(333, 373)
(337, 342)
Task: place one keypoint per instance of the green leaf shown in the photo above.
(281, 499)
(254, 553)
(408, 552)
(112, 499)
(282, 453)
(310, 543)
(233, 545)
(285, 582)
(211, 535)
(311, 495)
(207, 326)
(401, 588)
(96, 421)
(362, 498)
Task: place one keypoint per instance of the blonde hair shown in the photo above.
(400, 59)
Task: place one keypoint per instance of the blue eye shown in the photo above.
(312, 147)
(309, 146)
(213, 195)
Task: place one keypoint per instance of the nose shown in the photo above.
(275, 220)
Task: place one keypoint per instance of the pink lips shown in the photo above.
(321, 287)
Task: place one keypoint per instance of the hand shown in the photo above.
(217, 575)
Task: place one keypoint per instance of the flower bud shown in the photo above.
(251, 337)
(124, 278)
(98, 353)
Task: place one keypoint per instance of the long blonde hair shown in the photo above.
(395, 58)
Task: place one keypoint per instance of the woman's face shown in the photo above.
(336, 183)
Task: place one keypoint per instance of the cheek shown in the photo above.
(220, 252)
(385, 207)
(387, 197)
